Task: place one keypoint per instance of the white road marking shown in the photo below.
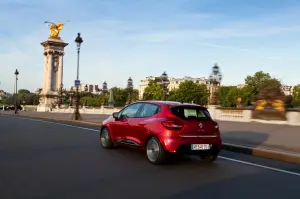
(61, 124)
(260, 166)
(221, 157)
(263, 149)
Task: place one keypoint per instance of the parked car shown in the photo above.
(163, 127)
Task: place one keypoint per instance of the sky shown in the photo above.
(140, 38)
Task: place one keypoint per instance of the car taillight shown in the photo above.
(216, 125)
(172, 125)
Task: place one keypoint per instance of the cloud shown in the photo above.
(239, 49)
(123, 38)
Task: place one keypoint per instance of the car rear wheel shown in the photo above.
(155, 151)
(209, 157)
(105, 139)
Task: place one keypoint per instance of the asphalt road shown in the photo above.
(40, 159)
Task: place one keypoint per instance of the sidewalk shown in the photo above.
(274, 141)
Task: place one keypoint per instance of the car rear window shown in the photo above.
(191, 113)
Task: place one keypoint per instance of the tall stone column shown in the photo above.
(53, 72)
(49, 72)
(59, 79)
(45, 70)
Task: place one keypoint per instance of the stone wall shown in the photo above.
(245, 115)
(224, 114)
(100, 110)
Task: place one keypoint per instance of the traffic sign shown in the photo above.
(77, 82)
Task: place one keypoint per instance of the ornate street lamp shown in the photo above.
(104, 87)
(16, 102)
(215, 79)
(61, 91)
(164, 82)
(129, 89)
(78, 42)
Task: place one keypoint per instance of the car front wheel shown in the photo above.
(155, 151)
(105, 139)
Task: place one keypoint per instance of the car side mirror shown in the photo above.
(115, 115)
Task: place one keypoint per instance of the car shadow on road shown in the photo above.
(139, 156)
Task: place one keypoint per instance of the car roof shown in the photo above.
(171, 103)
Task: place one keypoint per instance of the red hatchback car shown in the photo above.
(162, 127)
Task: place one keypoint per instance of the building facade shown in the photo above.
(174, 82)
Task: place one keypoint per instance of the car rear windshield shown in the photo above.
(190, 113)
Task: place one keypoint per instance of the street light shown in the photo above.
(129, 89)
(16, 103)
(78, 42)
(215, 79)
(61, 91)
(164, 82)
(85, 90)
(104, 87)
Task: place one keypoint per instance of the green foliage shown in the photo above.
(23, 91)
(120, 98)
(24, 97)
(260, 81)
(189, 91)
(153, 91)
(223, 93)
(296, 96)
(94, 100)
(229, 94)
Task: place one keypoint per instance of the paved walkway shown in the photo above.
(271, 136)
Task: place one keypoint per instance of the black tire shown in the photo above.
(209, 157)
(155, 152)
(105, 139)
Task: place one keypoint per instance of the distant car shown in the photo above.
(162, 127)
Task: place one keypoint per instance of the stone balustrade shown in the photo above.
(100, 110)
(245, 115)
(223, 114)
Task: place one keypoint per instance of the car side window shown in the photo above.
(148, 110)
(130, 111)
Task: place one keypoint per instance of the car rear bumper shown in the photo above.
(183, 144)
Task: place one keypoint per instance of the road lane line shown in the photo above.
(260, 166)
(221, 157)
(61, 124)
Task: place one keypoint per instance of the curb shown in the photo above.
(59, 120)
(263, 153)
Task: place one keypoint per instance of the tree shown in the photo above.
(260, 81)
(228, 95)
(296, 96)
(120, 96)
(23, 91)
(223, 96)
(189, 91)
(153, 91)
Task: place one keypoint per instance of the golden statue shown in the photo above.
(278, 105)
(55, 29)
(260, 105)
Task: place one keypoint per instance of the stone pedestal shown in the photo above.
(53, 73)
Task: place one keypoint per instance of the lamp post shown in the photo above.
(60, 91)
(129, 89)
(85, 90)
(164, 82)
(16, 102)
(78, 42)
(215, 79)
(104, 87)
